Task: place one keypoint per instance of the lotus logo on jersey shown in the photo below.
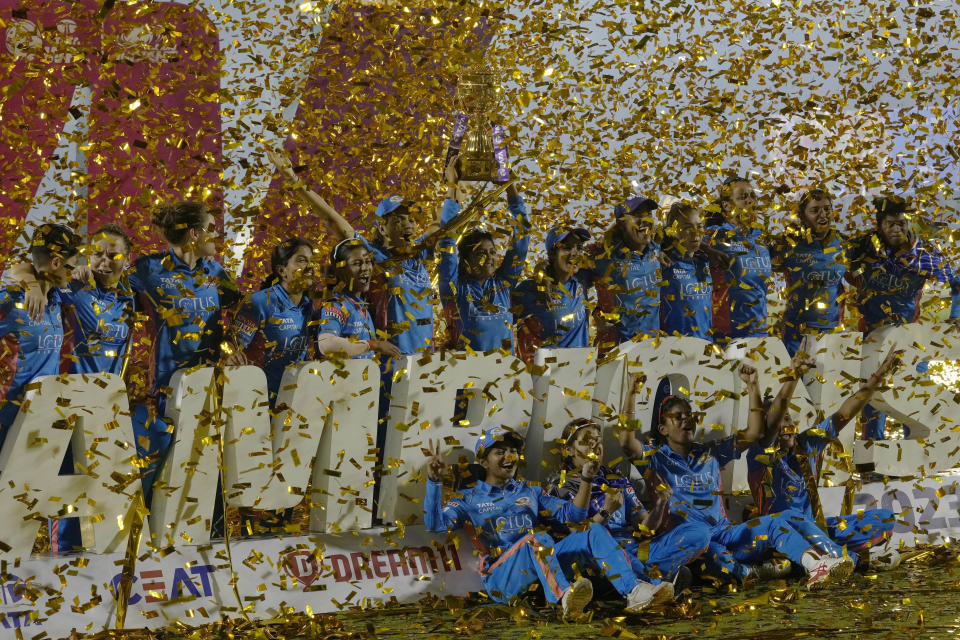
(302, 566)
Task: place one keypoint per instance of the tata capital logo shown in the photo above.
(302, 566)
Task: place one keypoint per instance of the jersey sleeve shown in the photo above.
(560, 510)
(516, 256)
(247, 323)
(138, 276)
(376, 252)
(724, 450)
(758, 461)
(332, 318)
(227, 287)
(439, 517)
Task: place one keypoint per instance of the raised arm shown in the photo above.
(799, 365)
(627, 430)
(756, 424)
(337, 223)
(855, 403)
(444, 215)
(512, 268)
(438, 517)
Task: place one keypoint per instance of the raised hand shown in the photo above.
(435, 464)
(35, 302)
(889, 364)
(663, 494)
(613, 501)
(748, 374)
(590, 469)
(451, 173)
(282, 163)
(802, 361)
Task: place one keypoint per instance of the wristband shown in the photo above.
(604, 514)
(371, 345)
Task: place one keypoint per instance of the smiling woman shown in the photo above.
(345, 325)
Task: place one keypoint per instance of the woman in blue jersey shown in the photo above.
(402, 295)
(184, 291)
(692, 469)
(741, 264)
(344, 325)
(550, 306)
(812, 259)
(273, 326)
(475, 287)
(625, 269)
(614, 503)
(686, 297)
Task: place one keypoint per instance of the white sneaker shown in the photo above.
(770, 570)
(646, 594)
(884, 559)
(829, 569)
(576, 598)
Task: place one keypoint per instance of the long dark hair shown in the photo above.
(176, 220)
(566, 439)
(337, 257)
(281, 255)
(665, 405)
(468, 243)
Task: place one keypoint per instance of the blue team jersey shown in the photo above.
(695, 479)
(185, 305)
(498, 517)
(274, 331)
(686, 297)
(777, 479)
(99, 319)
(747, 278)
(555, 314)
(891, 281)
(620, 523)
(347, 316)
(30, 348)
(409, 298)
(628, 286)
(483, 320)
(814, 272)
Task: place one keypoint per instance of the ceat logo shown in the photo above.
(302, 566)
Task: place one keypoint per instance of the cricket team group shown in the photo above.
(643, 528)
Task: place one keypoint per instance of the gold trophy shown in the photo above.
(483, 156)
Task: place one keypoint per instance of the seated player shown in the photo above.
(506, 516)
(692, 469)
(779, 481)
(615, 505)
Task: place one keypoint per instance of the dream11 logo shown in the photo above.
(302, 566)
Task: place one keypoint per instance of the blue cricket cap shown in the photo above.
(557, 234)
(635, 204)
(496, 435)
(391, 204)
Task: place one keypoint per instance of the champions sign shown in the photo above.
(320, 447)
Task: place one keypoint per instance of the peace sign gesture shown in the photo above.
(435, 464)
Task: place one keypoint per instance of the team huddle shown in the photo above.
(694, 273)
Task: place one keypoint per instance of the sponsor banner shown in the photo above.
(927, 511)
(51, 595)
